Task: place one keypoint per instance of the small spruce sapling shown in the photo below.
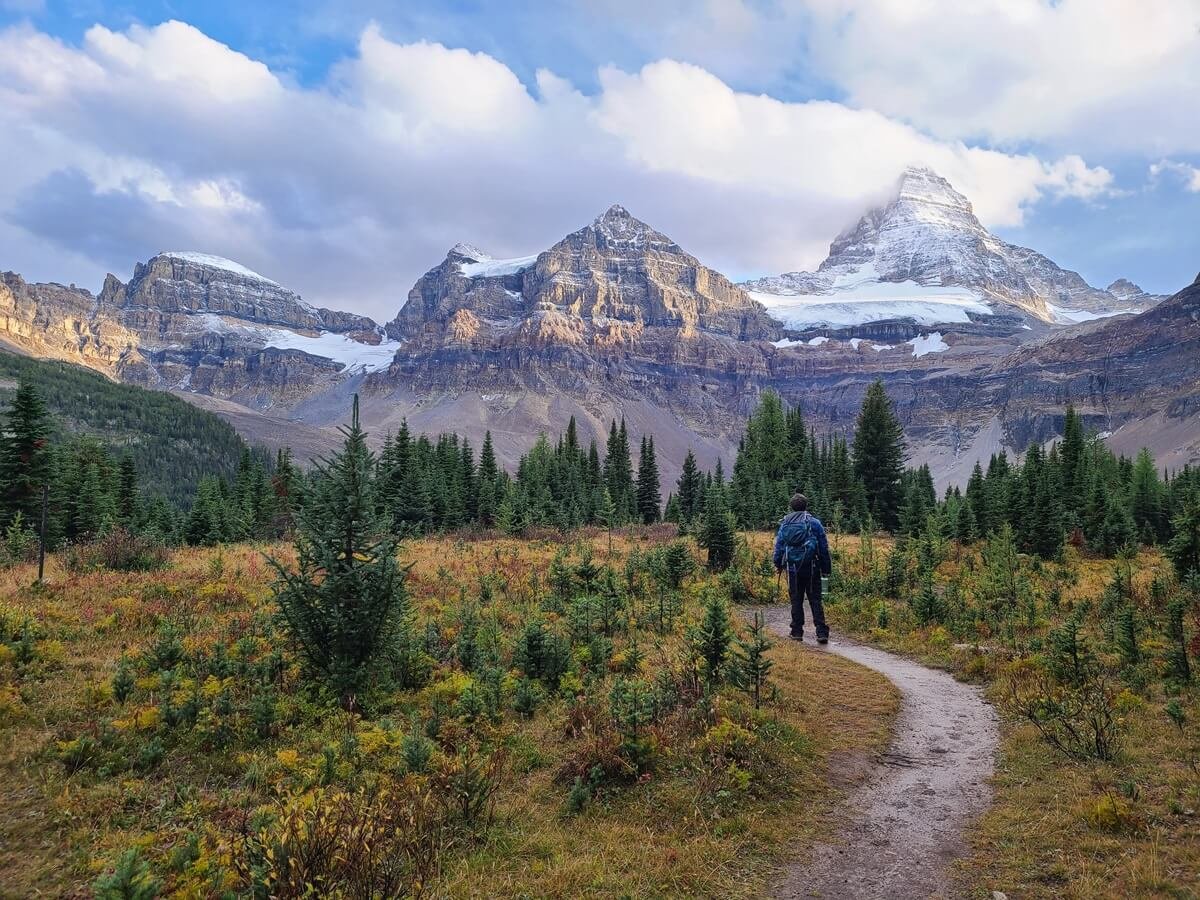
(751, 666)
(1179, 668)
(712, 638)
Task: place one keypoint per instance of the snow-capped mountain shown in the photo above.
(924, 256)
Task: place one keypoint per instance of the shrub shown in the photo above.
(1083, 720)
(383, 842)
(119, 550)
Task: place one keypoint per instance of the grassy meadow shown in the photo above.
(551, 729)
(549, 732)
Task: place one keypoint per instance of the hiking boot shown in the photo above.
(796, 637)
(823, 640)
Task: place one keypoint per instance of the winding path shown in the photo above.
(905, 824)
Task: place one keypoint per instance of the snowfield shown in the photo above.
(812, 342)
(492, 268)
(216, 262)
(1064, 316)
(928, 343)
(352, 355)
(857, 298)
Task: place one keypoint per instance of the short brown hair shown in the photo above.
(799, 503)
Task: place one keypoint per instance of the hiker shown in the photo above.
(801, 548)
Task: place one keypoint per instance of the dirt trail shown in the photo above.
(904, 825)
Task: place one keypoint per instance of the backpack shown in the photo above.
(799, 541)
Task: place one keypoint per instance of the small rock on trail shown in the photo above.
(905, 824)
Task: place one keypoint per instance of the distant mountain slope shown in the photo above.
(196, 322)
(925, 256)
(172, 442)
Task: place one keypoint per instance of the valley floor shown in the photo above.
(724, 796)
(164, 712)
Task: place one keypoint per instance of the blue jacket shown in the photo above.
(822, 542)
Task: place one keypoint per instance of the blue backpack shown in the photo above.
(799, 541)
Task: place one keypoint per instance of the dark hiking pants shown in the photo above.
(806, 581)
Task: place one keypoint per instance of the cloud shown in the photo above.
(349, 189)
(1103, 75)
(1189, 176)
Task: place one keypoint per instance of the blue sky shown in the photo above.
(342, 147)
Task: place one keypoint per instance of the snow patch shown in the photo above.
(1064, 316)
(854, 342)
(858, 297)
(216, 262)
(493, 268)
(811, 342)
(352, 355)
(928, 343)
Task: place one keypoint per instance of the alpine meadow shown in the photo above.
(841, 539)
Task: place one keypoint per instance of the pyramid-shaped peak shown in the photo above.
(616, 211)
(923, 185)
(468, 251)
(619, 226)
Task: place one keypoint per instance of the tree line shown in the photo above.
(1076, 490)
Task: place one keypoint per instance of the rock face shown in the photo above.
(185, 283)
(602, 286)
(56, 322)
(613, 315)
(1132, 295)
(189, 321)
(925, 256)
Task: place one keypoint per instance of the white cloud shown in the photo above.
(1101, 74)
(1189, 176)
(350, 190)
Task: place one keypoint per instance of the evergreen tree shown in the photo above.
(649, 496)
(1146, 499)
(1184, 546)
(712, 638)
(605, 513)
(346, 605)
(24, 455)
(717, 534)
(1071, 453)
(878, 453)
(127, 492)
(1179, 668)
(489, 476)
(688, 491)
(751, 666)
(286, 487)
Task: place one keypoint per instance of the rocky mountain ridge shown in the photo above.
(194, 322)
(617, 320)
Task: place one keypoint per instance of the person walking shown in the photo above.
(803, 550)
